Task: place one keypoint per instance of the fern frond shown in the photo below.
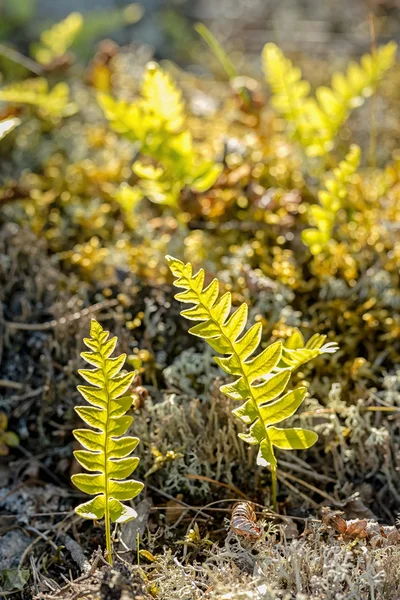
(257, 386)
(51, 103)
(156, 122)
(54, 42)
(162, 99)
(124, 117)
(295, 352)
(323, 215)
(107, 451)
(316, 121)
(333, 105)
(158, 111)
(290, 91)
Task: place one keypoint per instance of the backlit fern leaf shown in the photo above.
(106, 451)
(290, 91)
(51, 103)
(316, 121)
(162, 99)
(323, 215)
(156, 123)
(54, 42)
(155, 118)
(296, 352)
(256, 385)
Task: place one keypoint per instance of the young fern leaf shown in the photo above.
(54, 42)
(53, 103)
(323, 215)
(316, 121)
(296, 352)
(162, 99)
(257, 386)
(157, 123)
(107, 450)
(290, 92)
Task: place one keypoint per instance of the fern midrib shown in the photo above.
(251, 397)
(103, 368)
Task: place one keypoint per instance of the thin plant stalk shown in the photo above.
(108, 537)
(273, 489)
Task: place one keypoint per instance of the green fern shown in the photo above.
(54, 42)
(259, 380)
(107, 453)
(157, 123)
(296, 352)
(54, 103)
(290, 92)
(316, 121)
(323, 215)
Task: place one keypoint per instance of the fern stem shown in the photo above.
(273, 489)
(108, 533)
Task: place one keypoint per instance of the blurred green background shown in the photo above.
(317, 27)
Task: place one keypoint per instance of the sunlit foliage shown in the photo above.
(107, 450)
(50, 103)
(157, 122)
(322, 216)
(55, 42)
(315, 121)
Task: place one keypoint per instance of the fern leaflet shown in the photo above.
(296, 352)
(106, 451)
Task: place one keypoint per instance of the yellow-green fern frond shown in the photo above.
(50, 103)
(332, 106)
(316, 121)
(295, 352)
(158, 114)
(124, 117)
(54, 42)
(107, 450)
(156, 122)
(290, 91)
(162, 99)
(256, 385)
(322, 216)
